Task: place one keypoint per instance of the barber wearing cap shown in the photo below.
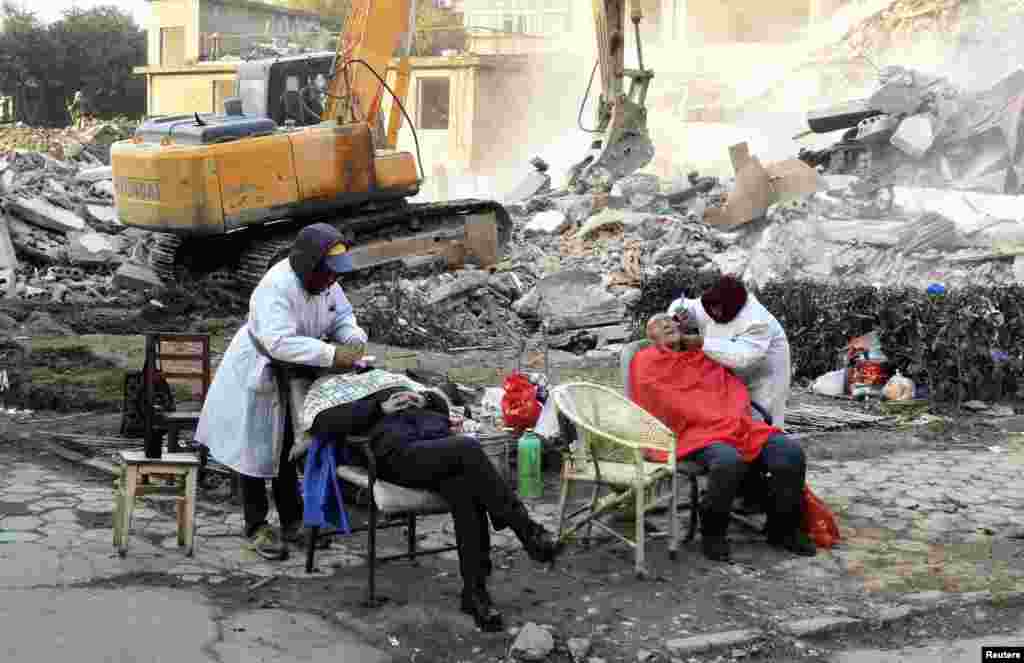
(296, 305)
(738, 332)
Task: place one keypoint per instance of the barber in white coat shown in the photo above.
(737, 331)
(293, 309)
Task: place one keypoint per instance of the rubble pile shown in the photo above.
(90, 142)
(580, 262)
(58, 217)
(446, 311)
(919, 130)
(901, 21)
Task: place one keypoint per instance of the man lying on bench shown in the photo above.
(412, 443)
(709, 409)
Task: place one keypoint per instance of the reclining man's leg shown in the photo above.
(470, 524)
(725, 474)
(458, 468)
(783, 461)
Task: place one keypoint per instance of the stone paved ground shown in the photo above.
(915, 521)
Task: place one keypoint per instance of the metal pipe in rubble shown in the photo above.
(636, 14)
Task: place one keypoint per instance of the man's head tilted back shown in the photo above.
(663, 330)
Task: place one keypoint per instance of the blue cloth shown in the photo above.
(323, 504)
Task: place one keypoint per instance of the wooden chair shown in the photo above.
(135, 468)
(616, 434)
(175, 357)
(690, 470)
(399, 505)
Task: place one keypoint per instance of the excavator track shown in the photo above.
(248, 254)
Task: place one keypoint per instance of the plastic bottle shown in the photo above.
(531, 481)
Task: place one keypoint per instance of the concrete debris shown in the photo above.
(551, 222)
(93, 175)
(43, 214)
(576, 209)
(463, 281)
(93, 248)
(103, 216)
(57, 210)
(41, 323)
(919, 130)
(533, 643)
(579, 648)
(130, 276)
(536, 183)
(103, 188)
(915, 136)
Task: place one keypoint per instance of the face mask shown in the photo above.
(320, 281)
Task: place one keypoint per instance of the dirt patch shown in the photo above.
(57, 380)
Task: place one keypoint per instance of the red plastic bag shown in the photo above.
(818, 522)
(519, 406)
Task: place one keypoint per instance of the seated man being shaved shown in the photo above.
(709, 409)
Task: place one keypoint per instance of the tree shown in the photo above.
(94, 50)
(100, 47)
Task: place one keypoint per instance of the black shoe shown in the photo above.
(540, 546)
(716, 548)
(795, 541)
(477, 605)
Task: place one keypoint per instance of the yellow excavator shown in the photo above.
(304, 141)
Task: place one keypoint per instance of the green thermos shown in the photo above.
(531, 481)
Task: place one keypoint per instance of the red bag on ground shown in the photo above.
(519, 406)
(818, 522)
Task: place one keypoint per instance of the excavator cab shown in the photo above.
(288, 90)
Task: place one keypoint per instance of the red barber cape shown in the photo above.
(699, 399)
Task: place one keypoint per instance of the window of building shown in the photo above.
(172, 46)
(434, 103)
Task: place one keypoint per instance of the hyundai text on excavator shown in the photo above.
(305, 141)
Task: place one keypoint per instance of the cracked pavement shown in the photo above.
(914, 523)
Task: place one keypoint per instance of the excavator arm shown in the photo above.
(373, 34)
(624, 145)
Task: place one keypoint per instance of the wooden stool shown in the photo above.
(184, 467)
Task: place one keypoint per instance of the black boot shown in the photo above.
(784, 531)
(538, 544)
(713, 541)
(535, 539)
(795, 541)
(477, 604)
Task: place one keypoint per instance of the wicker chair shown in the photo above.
(616, 433)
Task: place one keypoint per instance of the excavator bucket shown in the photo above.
(624, 146)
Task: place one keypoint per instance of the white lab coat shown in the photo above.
(242, 422)
(753, 345)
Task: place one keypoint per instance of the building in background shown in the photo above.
(193, 46)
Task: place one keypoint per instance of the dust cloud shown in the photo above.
(768, 86)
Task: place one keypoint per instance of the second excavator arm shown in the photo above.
(623, 146)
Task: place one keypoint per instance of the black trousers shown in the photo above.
(457, 468)
(285, 486)
(775, 480)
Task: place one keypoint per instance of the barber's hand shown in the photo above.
(692, 342)
(402, 401)
(345, 356)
